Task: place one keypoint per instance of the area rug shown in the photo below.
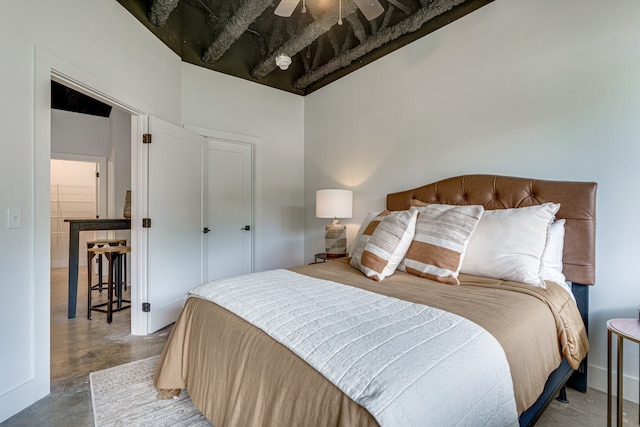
(124, 396)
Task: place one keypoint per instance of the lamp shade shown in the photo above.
(334, 203)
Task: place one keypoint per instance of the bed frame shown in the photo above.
(577, 206)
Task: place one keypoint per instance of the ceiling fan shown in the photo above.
(371, 9)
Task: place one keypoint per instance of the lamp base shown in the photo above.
(335, 239)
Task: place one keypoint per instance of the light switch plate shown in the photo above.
(14, 217)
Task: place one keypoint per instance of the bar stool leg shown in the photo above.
(100, 273)
(118, 267)
(110, 284)
(124, 261)
(90, 256)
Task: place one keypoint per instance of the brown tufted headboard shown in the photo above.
(577, 206)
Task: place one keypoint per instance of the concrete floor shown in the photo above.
(585, 410)
(80, 346)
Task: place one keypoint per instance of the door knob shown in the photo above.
(246, 228)
(206, 230)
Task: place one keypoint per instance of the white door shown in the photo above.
(174, 241)
(230, 206)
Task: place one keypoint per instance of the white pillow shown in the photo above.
(384, 243)
(551, 264)
(508, 244)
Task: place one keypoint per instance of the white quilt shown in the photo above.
(407, 364)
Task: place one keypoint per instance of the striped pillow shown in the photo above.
(442, 234)
(401, 224)
(357, 244)
(389, 237)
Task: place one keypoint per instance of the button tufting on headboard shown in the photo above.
(577, 206)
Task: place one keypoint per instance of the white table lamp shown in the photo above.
(334, 204)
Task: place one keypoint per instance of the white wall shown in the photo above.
(93, 39)
(99, 44)
(219, 102)
(79, 134)
(120, 158)
(541, 89)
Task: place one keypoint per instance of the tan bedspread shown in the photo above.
(238, 376)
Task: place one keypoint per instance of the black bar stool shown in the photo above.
(90, 255)
(115, 255)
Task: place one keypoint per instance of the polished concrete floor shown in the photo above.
(80, 346)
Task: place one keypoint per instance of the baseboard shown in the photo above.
(19, 398)
(597, 379)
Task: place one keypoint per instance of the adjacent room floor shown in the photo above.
(80, 346)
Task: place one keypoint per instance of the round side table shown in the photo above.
(324, 257)
(625, 329)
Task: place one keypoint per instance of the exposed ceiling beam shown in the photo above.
(160, 11)
(387, 17)
(335, 43)
(349, 40)
(303, 39)
(410, 24)
(248, 12)
(277, 36)
(358, 28)
(318, 56)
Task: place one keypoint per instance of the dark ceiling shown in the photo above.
(243, 37)
(65, 98)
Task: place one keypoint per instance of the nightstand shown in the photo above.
(324, 257)
(625, 329)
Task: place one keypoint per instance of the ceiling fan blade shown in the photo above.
(371, 9)
(286, 7)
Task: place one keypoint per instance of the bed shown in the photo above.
(239, 375)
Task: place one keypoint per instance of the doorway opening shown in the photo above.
(90, 172)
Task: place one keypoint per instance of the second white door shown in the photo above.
(230, 209)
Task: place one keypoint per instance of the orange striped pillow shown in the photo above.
(441, 237)
(390, 237)
(364, 234)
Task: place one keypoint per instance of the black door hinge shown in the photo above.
(146, 307)
(97, 174)
(146, 222)
(146, 138)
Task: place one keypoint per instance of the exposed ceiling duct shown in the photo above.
(243, 38)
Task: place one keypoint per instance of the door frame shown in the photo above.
(256, 195)
(47, 68)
